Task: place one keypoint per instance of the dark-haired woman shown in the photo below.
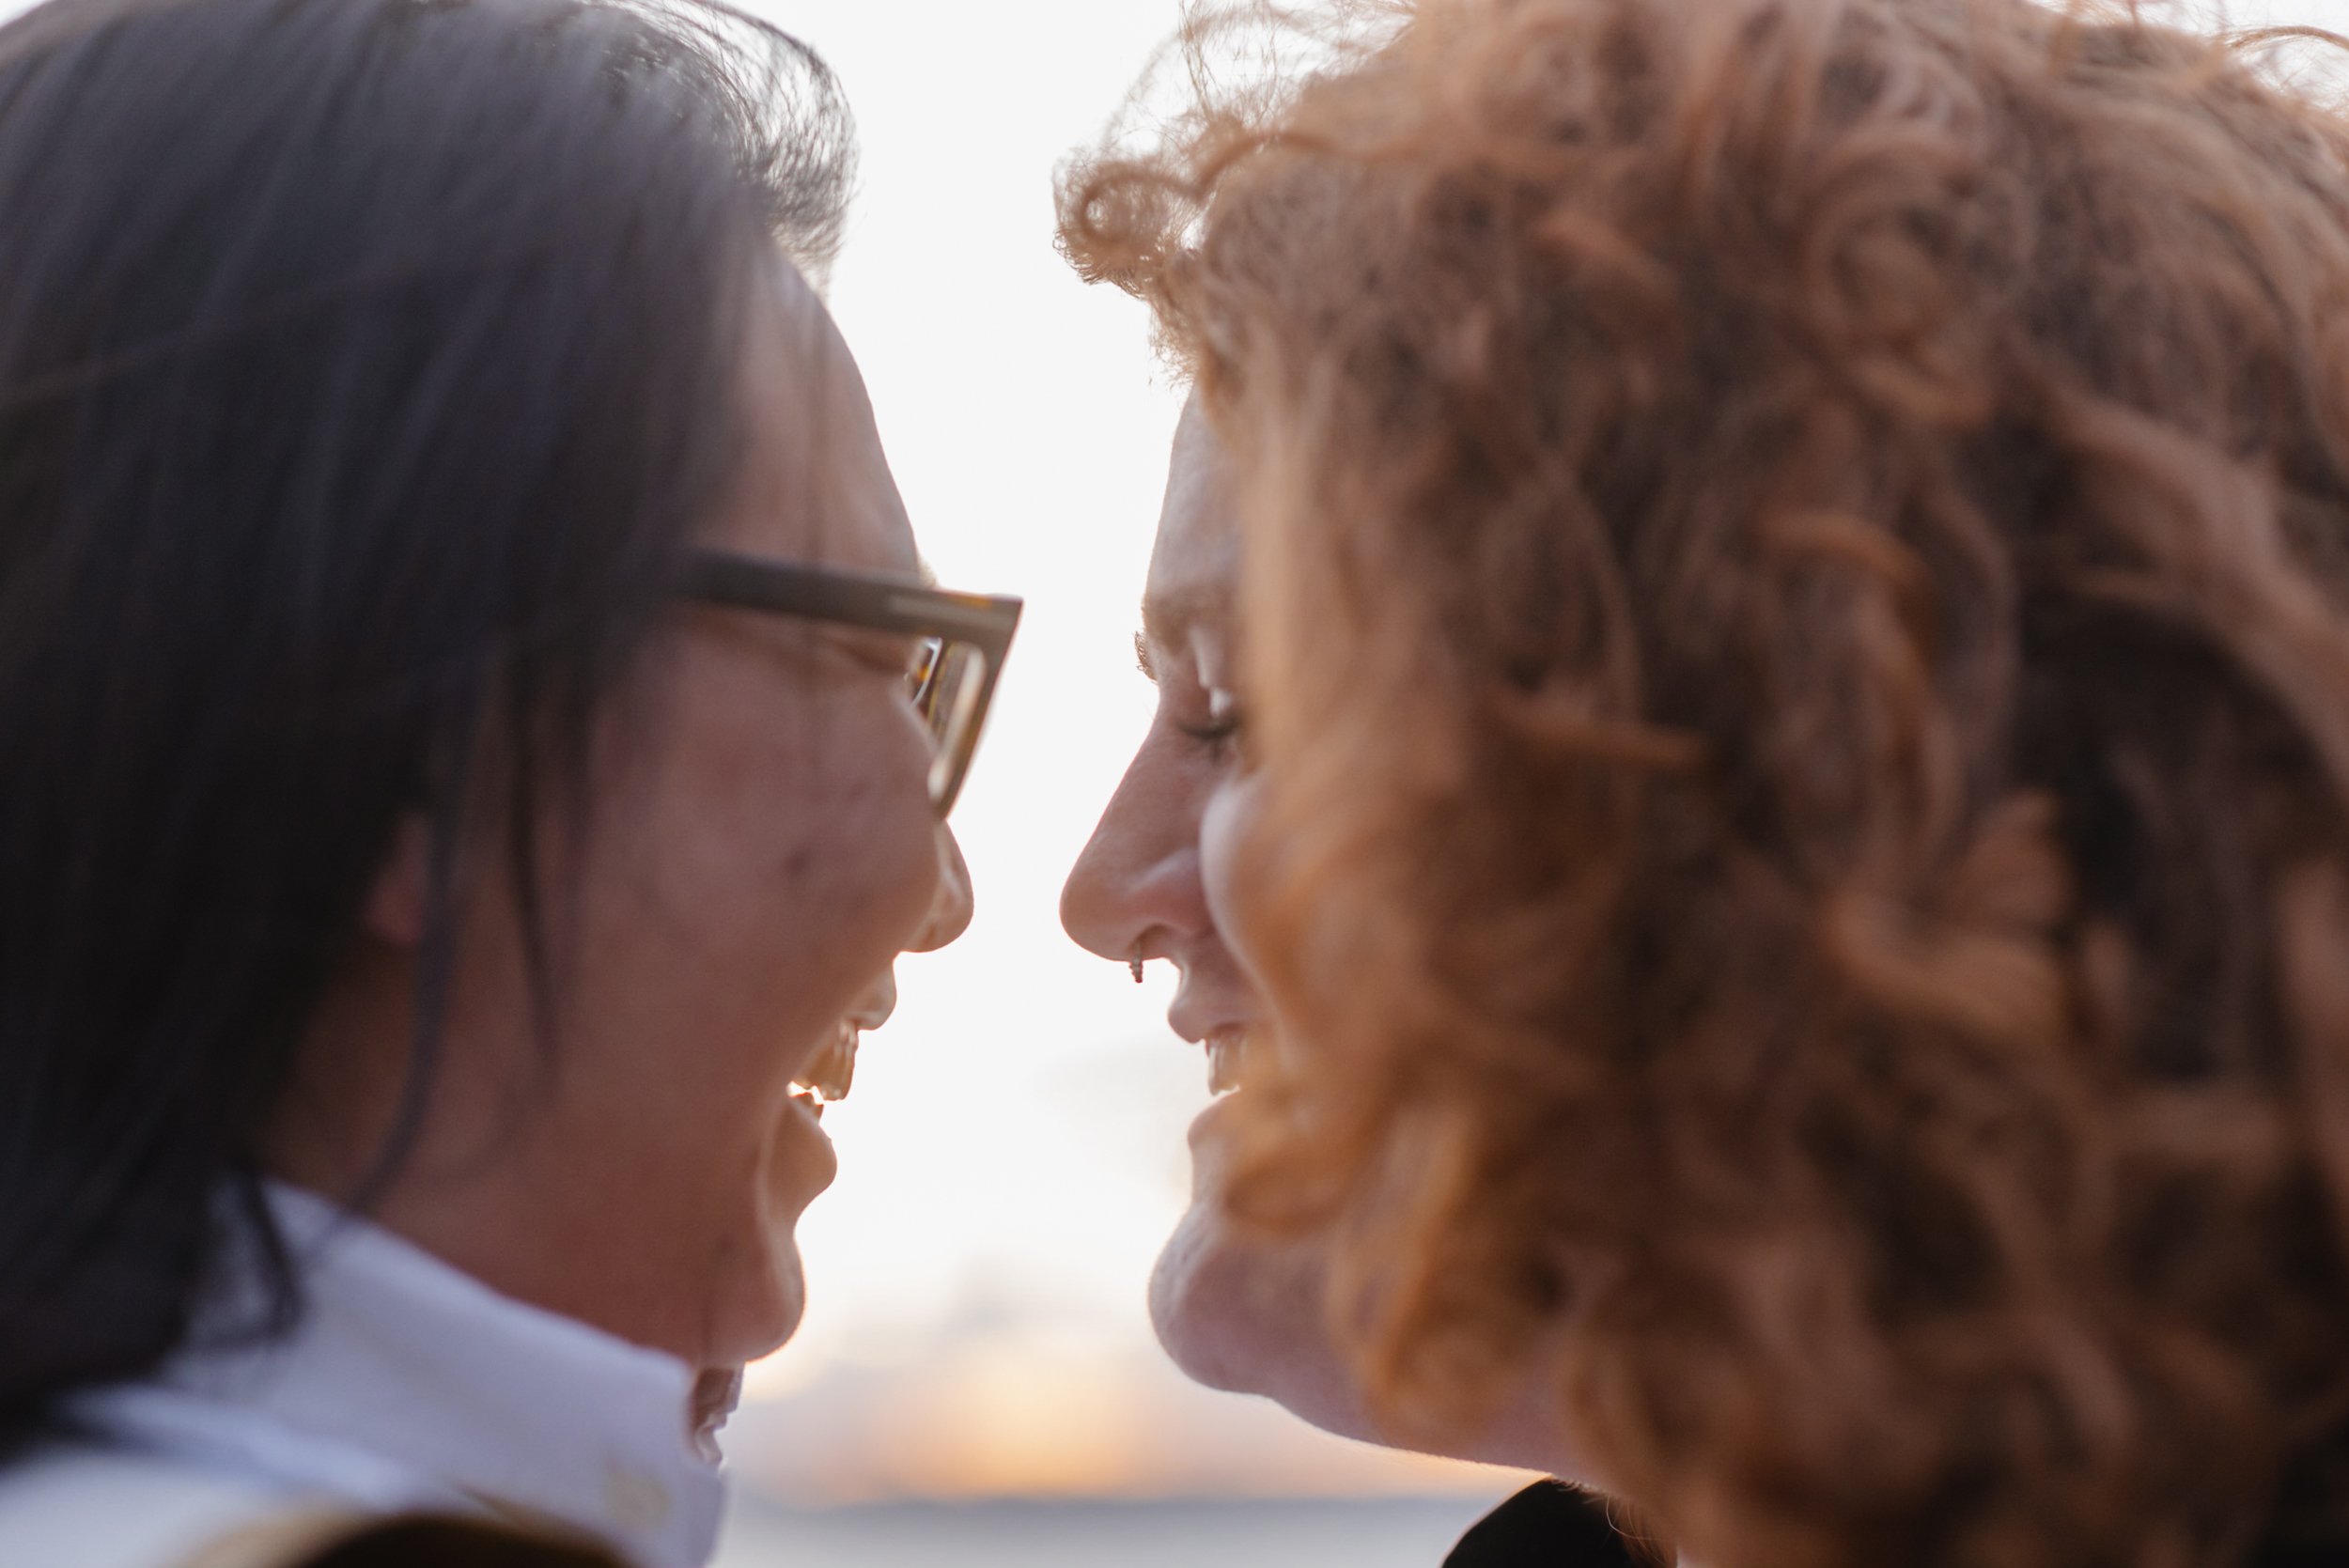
(474, 743)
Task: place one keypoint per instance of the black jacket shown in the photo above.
(1548, 1525)
(1551, 1525)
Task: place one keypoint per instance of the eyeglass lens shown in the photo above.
(954, 687)
(945, 680)
(923, 671)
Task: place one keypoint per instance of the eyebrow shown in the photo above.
(1166, 618)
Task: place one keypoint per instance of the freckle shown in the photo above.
(795, 867)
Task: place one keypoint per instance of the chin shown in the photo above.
(1200, 1308)
(765, 1293)
(759, 1308)
(790, 1301)
(1247, 1319)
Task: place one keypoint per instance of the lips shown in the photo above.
(832, 1071)
(1227, 1057)
(1216, 1009)
(830, 1076)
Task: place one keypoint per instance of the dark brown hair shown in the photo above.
(365, 369)
(1797, 592)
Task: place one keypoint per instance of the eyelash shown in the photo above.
(1218, 736)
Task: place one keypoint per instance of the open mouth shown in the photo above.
(1227, 1059)
(829, 1076)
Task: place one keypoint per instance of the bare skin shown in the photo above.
(761, 848)
(1234, 1310)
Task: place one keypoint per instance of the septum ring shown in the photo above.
(1133, 963)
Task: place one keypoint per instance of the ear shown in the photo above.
(396, 903)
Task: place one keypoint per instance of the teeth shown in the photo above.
(829, 1076)
(1227, 1061)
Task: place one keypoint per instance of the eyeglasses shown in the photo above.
(951, 677)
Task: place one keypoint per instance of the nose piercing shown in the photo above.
(1133, 965)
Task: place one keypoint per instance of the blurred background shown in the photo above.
(976, 1382)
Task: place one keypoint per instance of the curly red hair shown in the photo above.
(1799, 599)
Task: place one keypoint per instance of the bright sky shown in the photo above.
(1014, 1155)
(1014, 1152)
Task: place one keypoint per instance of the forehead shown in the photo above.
(813, 483)
(1194, 566)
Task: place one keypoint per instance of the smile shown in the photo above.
(830, 1076)
(1227, 1057)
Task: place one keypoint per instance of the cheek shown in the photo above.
(774, 862)
(1224, 827)
(828, 844)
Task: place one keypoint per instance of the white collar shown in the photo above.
(409, 1383)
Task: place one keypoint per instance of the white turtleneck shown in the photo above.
(411, 1385)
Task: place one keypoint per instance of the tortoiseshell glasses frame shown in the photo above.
(963, 638)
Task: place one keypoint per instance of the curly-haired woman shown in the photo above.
(1235, 1307)
(1795, 655)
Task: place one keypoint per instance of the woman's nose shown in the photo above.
(950, 911)
(1138, 875)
